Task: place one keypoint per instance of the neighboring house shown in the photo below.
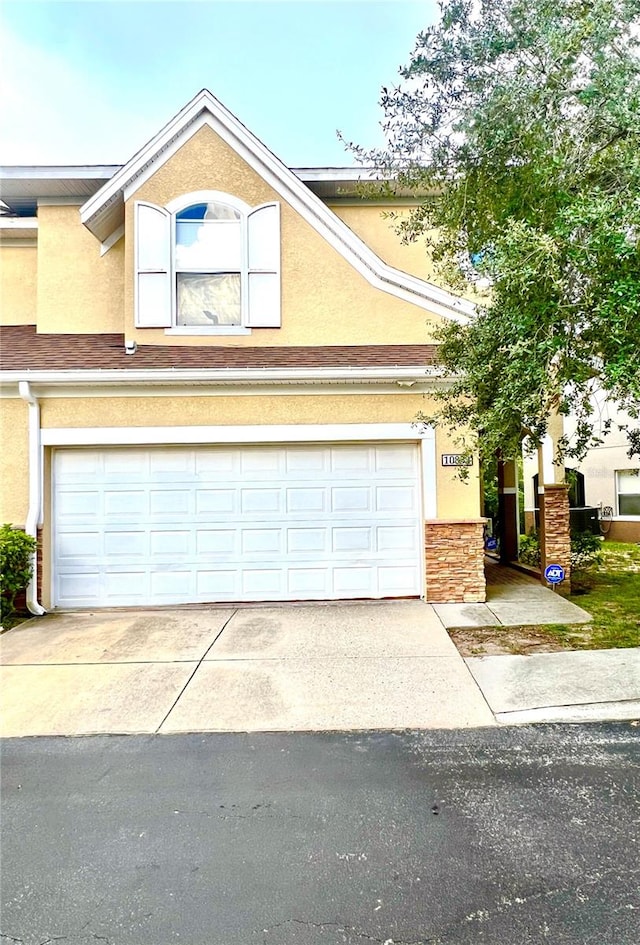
(211, 365)
(607, 479)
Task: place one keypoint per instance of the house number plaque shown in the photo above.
(456, 459)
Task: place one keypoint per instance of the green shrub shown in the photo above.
(16, 552)
(529, 549)
(586, 549)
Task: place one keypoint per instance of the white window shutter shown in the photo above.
(263, 236)
(153, 266)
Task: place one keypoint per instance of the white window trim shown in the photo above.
(621, 516)
(207, 196)
(174, 207)
(203, 330)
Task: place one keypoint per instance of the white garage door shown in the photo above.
(178, 525)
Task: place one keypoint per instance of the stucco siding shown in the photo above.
(18, 285)
(78, 289)
(371, 223)
(14, 450)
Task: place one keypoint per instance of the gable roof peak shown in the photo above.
(103, 213)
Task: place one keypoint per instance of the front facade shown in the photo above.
(211, 368)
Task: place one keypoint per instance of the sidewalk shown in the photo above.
(575, 686)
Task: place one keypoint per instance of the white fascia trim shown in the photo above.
(111, 240)
(428, 461)
(222, 375)
(205, 109)
(18, 223)
(62, 171)
(277, 433)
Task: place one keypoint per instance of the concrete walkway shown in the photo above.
(514, 599)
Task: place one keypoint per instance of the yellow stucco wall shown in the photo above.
(455, 499)
(324, 300)
(78, 290)
(368, 221)
(14, 450)
(18, 285)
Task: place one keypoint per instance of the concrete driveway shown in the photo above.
(378, 665)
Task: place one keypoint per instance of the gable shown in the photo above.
(102, 211)
(325, 300)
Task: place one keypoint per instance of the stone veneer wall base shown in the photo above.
(454, 561)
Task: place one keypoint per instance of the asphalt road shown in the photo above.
(502, 836)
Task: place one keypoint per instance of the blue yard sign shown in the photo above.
(554, 574)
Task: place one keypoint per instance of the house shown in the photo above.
(606, 481)
(211, 368)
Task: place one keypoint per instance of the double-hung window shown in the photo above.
(628, 490)
(207, 263)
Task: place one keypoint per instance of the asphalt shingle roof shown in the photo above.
(23, 349)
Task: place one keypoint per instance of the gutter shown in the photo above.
(223, 376)
(34, 515)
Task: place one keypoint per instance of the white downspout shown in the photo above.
(35, 491)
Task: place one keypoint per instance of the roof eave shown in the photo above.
(223, 376)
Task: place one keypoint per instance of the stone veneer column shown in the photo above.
(454, 561)
(556, 542)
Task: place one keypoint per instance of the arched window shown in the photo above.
(207, 263)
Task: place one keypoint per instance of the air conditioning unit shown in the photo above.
(584, 518)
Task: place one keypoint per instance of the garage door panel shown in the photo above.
(260, 500)
(397, 538)
(308, 582)
(396, 580)
(307, 463)
(216, 541)
(219, 585)
(353, 539)
(125, 504)
(125, 543)
(229, 524)
(351, 499)
(129, 585)
(265, 462)
(216, 501)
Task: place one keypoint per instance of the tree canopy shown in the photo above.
(520, 122)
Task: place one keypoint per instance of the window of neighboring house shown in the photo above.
(207, 263)
(628, 491)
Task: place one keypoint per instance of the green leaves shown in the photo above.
(524, 119)
(16, 551)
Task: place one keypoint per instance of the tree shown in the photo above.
(520, 122)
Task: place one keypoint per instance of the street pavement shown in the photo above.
(526, 835)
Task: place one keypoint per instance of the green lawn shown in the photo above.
(610, 592)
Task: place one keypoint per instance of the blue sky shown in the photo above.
(91, 82)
